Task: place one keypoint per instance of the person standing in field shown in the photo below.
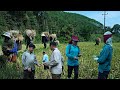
(44, 40)
(14, 51)
(97, 40)
(45, 59)
(105, 57)
(29, 60)
(7, 45)
(55, 63)
(73, 52)
(28, 40)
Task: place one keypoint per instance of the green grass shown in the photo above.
(87, 69)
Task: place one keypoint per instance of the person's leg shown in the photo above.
(45, 67)
(106, 74)
(62, 68)
(101, 75)
(56, 76)
(53, 76)
(32, 74)
(76, 69)
(27, 45)
(26, 74)
(70, 68)
(59, 76)
(44, 45)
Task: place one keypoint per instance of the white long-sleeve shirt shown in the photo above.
(55, 62)
(29, 60)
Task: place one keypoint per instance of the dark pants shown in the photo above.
(62, 68)
(103, 75)
(27, 45)
(56, 76)
(46, 67)
(70, 69)
(29, 75)
(45, 45)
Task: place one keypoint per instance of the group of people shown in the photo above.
(55, 64)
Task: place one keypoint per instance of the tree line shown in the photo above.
(64, 24)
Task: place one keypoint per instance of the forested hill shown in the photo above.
(64, 24)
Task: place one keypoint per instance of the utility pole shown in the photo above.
(104, 18)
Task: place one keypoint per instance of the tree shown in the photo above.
(116, 28)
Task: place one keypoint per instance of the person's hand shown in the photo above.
(76, 58)
(29, 69)
(96, 58)
(79, 55)
(8, 49)
(38, 65)
(45, 64)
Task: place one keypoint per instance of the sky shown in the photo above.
(112, 18)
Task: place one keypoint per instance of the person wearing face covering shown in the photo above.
(105, 57)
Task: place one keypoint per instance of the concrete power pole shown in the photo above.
(104, 18)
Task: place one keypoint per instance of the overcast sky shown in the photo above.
(113, 17)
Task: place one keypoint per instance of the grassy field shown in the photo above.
(87, 69)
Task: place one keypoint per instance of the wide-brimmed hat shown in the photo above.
(42, 34)
(7, 34)
(75, 38)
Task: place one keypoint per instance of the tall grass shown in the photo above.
(88, 68)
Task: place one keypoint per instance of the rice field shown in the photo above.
(87, 68)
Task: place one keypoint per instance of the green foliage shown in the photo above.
(62, 23)
(88, 68)
(94, 36)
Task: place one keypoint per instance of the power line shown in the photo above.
(104, 18)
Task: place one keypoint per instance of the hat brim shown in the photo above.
(76, 40)
(5, 36)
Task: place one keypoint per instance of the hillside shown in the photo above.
(62, 23)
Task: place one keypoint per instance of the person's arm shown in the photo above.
(54, 62)
(103, 55)
(36, 61)
(68, 53)
(23, 59)
(14, 49)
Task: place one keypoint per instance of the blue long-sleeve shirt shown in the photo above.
(71, 52)
(14, 49)
(105, 58)
(45, 58)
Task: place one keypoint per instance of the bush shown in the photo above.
(116, 38)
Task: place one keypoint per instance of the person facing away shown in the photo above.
(44, 40)
(45, 59)
(14, 52)
(55, 63)
(29, 60)
(28, 40)
(97, 40)
(105, 57)
(73, 52)
(7, 45)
